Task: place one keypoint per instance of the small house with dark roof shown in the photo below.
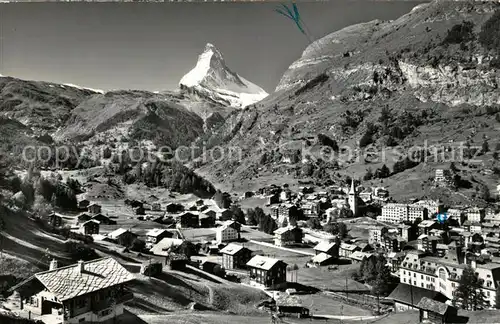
(322, 259)
(266, 271)
(407, 297)
(433, 311)
(207, 221)
(55, 219)
(177, 261)
(235, 256)
(139, 210)
(83, 204)
(94, 208)
(188, 219)
(289, 235)
(173, 208)
(83, 217)
(291, 305)
(156, 235)
(122, 236)
(90, 227)
(329, 248)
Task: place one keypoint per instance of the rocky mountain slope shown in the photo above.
(43, 106)
(387, 85)
(213, 80)
(137, 115)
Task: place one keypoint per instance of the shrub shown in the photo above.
(488, 36)
(460, 33)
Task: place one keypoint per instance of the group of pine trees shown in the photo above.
(172, 175)
(258, 217)
(374, 272)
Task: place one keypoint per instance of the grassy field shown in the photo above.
(253, 234)
(321, 304)
(175, 291)
(199, 234)
(335, 280)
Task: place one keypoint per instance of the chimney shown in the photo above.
(53, 264)
(79, 267)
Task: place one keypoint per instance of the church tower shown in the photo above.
(353, 199)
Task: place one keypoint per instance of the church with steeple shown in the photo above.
(353, 199)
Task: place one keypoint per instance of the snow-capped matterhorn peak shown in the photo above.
(213, 79)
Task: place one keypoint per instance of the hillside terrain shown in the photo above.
(363, 96)
(43, 106)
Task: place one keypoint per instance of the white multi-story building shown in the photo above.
(226, 234)
(443, 274)
(393, 213)
(374, 235)
(475, 214)
(397, 213)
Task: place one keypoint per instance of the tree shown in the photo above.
(342, 230)
(381, 285)
(368, 175)
(485, 147)
(469, 294)
(238, 214)
(453, 168)
(219, 271)
(488, 36)
(460, 33)
(369, 269)
(336, 228)
(384, 231)
(495, 156)
(314, 223)
(251, 217)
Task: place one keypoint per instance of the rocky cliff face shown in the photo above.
(453, 86)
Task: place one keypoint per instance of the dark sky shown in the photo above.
(152, 45)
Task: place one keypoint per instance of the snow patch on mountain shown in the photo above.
(83, 88)
(211, 77)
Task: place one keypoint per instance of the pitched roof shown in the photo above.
(155, 232)
(161, 248)
(403, 293)
(117, 233)
(433, 306)
(224, 228)
(232, 249)
(321, 257)
(67, 283)
(324, 246)
(283, 230)
(291, 301)
(350, 247)
(262, 262)
(90, 221)
(358, 255)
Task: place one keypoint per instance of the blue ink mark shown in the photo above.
(293, 15)
(441, 218)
